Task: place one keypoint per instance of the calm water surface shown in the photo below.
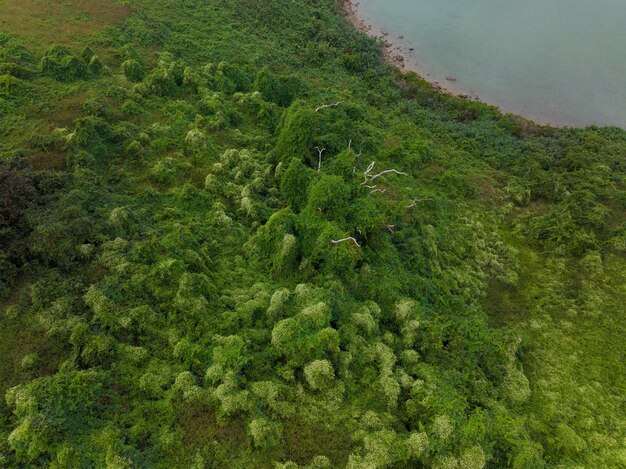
(555, 61)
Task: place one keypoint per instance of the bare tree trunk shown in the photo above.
(349, 238)
(328, 105)
(320, 151)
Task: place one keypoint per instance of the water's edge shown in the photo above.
(399, 53)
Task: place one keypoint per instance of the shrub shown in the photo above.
(295, 134)
(236, 77)
(319, 374)
(265, 434)
(168, 170)
(294, 183)
(96, 136)
(132, 70)
(59, 62)
(330, 195)
(51, 410)
(11, 86)
(281, 90)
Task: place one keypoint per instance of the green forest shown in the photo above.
(233, 236)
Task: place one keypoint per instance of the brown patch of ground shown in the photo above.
(68, 109)
(433, 169)
(200, 428)
(48, 161)
(303, 442)
(42, 23)
(19, 337)
(488, 188)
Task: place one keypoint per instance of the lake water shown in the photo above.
(554, 61)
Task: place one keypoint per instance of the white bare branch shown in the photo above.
(356, 158)
(387, 171)
(320, 151)
(367, 172)
(382, 191)
(349, 238)
(391, 228)
(328, 105)
(415, 201)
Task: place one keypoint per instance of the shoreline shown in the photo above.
(395, 51)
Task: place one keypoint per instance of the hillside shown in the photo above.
(233, 236)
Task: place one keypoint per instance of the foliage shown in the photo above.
(199, 268)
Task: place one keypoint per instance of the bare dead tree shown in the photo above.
(368, 177)
(327, 106)
(320, 151)
(366, 174)
(356, 158)
(415, 201)
(391, 228)
(349, 238)
(387, 171)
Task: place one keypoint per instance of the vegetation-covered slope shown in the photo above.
(232, 236)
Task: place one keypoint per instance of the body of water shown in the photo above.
(554, 61)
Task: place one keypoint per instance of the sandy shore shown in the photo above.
(396, 51)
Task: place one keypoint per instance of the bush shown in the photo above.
(294, 183)
(53, 410)
(319, 374)
(295, 134)
(281, 90)
(265, 434)
(58, 62)
(330, 195)
(96, 136)
(132, 70)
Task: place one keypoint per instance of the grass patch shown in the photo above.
(41, 23)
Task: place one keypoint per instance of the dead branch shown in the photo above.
(366, 173)
(387, 171)
(319, 163)
(328, 105)
(356, 158)
(415, 201)
(349, 238)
